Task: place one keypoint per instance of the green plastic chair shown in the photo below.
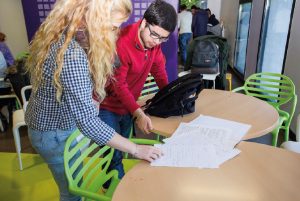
(86, 172)
(150, 87)
(22, 55)
(277, 90)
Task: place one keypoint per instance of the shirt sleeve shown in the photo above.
(7, 54)
(121, 85)
(77, 94)
(193, 23)
(178, 21)
(158, 69)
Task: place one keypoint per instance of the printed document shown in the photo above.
(206, 142)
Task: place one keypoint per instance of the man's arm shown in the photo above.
(158, 69)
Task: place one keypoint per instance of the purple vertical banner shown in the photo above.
(35, 11)
(170, 47)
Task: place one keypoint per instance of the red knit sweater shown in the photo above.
(136, 64)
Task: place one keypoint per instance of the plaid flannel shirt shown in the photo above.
(45, 113)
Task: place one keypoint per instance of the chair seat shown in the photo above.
(291, 146)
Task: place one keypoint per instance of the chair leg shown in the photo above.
(275, 136)
(157, 137)
(286, 134)
(130, 136)
(18, 145)
(229, 78)
(1, 126)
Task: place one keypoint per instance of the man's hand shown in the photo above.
(143, 121)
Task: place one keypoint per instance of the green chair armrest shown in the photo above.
(238, 89)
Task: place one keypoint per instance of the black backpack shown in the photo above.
(177, 98)
(205, 57)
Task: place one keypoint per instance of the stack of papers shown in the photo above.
(206, 142)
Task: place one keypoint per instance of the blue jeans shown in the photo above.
(122, 125)
(50, 145)
(183, 42)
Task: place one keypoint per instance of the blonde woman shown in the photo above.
(71, 54)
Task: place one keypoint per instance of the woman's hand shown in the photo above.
(148, 153)
(145, 152)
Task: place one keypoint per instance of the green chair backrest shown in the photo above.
(86, 171)
(276, 89)
(144, 141)
(150, 87)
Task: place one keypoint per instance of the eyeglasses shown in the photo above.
(156, 36)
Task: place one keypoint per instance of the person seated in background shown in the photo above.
(199, 23)
(3, 65)
(185, 30)
(4, 114)
(5, 50)
(139, 52)
(213, 25)
(212, 20)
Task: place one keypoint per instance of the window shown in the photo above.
(242, 36)
(274, 35)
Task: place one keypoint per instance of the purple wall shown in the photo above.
(35, 11)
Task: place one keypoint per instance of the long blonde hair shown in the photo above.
(97, 15)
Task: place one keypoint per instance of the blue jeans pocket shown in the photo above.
(50, 144)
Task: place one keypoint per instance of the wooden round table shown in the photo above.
(227, 105)
(259, 173)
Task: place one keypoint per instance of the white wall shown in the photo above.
(292, 64)
(215, 7)
(12, 24)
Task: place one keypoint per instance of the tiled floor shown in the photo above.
(7, 143)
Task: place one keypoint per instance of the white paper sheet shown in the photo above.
(176, 155)
(206, 142)
(200, 134)
(237, 127)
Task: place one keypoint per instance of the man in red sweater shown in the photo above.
(139, 51)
